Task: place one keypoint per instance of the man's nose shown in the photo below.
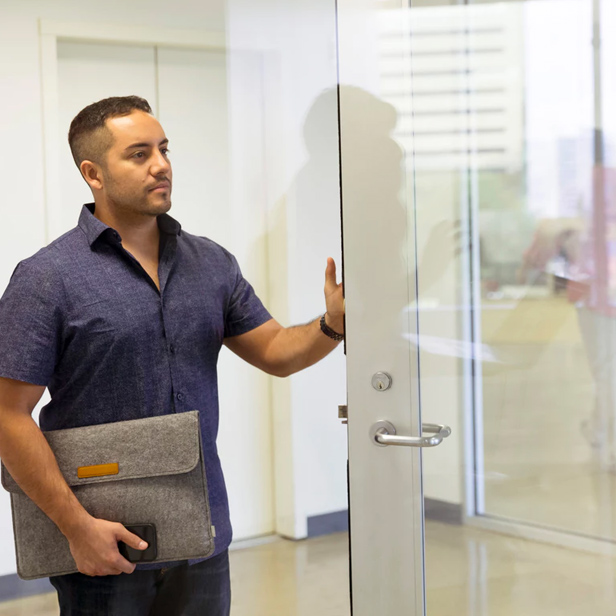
(160, 164)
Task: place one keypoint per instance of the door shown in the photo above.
(478, 188)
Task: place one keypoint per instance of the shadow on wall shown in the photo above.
(378, 196)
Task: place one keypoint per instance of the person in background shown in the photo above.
(587, 249)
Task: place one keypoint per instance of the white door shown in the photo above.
(386, 516)
(188, 92)
(478, 187)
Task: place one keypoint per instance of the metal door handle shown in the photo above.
(383, 433)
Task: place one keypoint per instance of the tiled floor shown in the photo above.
(477, 573)
(470, 573)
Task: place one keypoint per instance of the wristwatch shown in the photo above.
(328, 331)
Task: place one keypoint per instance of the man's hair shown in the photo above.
(89, 137)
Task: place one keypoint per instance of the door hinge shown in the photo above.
(343, 413)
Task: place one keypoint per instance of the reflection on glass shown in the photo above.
(546, 305)
(506, 120)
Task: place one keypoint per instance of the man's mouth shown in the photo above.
(160, 187)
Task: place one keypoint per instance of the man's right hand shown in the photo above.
(94, 546)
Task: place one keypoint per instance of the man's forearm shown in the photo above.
(298, 347)
(28, 457)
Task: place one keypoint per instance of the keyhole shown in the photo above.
(381, 381)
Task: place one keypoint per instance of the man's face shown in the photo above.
(137, 172)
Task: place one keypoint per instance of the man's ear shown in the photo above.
(92, 174)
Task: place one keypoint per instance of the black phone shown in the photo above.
(147, 532)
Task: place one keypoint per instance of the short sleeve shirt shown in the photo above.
(82, 317)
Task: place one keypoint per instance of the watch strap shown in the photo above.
(328, 331)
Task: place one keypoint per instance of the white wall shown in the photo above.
(311, 443)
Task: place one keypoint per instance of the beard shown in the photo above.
(137, 200)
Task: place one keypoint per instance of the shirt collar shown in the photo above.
(94, 228)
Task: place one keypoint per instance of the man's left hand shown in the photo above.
(334, 300)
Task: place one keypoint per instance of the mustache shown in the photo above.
(160, 181)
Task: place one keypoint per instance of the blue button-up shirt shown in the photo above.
(82, 317)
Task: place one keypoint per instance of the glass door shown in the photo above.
(380, 263)
(479, 183)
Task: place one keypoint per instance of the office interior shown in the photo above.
(502, 115)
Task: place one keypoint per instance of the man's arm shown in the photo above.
(283, 351)
(31, 462)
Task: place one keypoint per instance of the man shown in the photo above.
(123, 317)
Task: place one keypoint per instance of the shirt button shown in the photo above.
(180, 397)
(171, 349)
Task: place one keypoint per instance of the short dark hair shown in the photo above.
(88, 137)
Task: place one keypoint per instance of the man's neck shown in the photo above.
(140, 234)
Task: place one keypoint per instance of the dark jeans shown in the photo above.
(203, 589)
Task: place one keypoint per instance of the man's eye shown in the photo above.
(165, 151)
(138, 155)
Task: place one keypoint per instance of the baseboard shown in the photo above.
(442, 511)
(335, 522)
(13, 587)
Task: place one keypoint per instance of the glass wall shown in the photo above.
(511, 132)
(502, 117)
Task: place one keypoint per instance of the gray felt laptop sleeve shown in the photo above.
(144, 471)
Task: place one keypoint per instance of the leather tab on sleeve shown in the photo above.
(99, 470)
